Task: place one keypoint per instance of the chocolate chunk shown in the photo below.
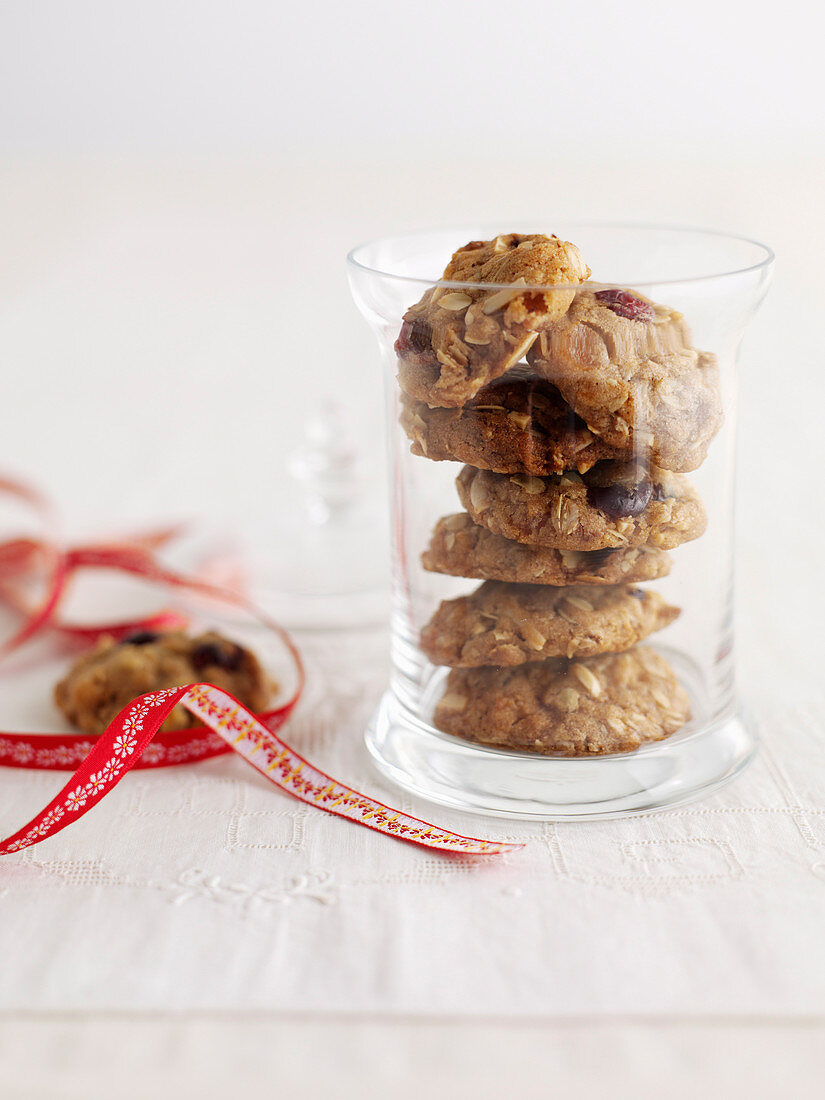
(229, 657)
(141, 637)
(620, 499)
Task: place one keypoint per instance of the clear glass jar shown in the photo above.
(590, 432)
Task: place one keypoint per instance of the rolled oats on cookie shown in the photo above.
(461, 548)
(616, 702)
(614, 504)
(511, 624)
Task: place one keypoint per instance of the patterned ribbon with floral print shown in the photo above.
(134, 738)
(128, 736)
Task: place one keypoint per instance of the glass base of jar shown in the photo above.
(501, 783)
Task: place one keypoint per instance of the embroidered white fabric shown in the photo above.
(202, 887)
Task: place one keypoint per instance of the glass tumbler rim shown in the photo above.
(763, 259)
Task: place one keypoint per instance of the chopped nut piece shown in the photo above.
(502, 297)
(531, 485)
(534, 638)
(568, 699)
(580, 602)
(453, 702)
(455, 300)
(478, 496)
(587, 679)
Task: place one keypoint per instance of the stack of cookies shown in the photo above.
(576, 411)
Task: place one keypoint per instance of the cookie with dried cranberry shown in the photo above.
(615, 504)
(460, 548)
(615, 702)
(517, 424)
(102, 682)
(456, 339)
(625, 365)
(510, 624)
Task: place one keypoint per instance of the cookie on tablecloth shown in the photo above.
(102, 682)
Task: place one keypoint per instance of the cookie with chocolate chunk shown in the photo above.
(461, 548)
(102, 682)
(625, 365)
(511, 624)
(615, 504)
(517, 424)
(612, 703)
(458, 338)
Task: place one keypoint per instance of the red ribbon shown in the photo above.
(133, 738)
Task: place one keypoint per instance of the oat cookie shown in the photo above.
(461, 548)
(614, 504)
(103, 681)
(510, 624)
(518, 424)
(457, 339)
(611, 703)
(626, 366)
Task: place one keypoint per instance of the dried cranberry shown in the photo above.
(141, 637)
(626, 305)
(228, 656)
(534, 302)
(415, 336)
(620, 499)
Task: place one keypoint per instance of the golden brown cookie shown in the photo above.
(611, 703)
(457, 339)
(510, 624)
(625, 365)
(615, 504)
(102, 682)
(517, 424)
(461, 548)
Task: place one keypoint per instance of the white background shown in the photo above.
(180, 182)
(409, 79)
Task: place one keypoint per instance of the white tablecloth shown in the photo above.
(202, 888)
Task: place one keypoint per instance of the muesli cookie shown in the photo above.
(461, 548)
(101, 683)
(510, 624)
(612, 703)
(625, 365)
(457, 339)
(614, 504)
(517, 424)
